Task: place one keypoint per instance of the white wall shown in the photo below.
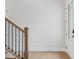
(45, 19)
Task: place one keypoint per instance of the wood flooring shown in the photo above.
(48, 55)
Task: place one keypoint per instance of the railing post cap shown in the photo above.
(26, 28)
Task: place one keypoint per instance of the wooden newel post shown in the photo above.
(26, 43)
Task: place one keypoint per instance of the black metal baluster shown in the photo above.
(8, 35)
(5, 33)
(19, 44)
(12, 37)
(22, 45)
(15, 39)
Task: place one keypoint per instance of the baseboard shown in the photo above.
(46, 51)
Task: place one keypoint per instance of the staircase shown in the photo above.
(16, 40)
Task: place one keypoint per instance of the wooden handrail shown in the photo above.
(14, 24)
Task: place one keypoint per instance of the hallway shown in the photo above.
(38, 26)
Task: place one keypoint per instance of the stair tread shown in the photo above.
(13, 54)
(10, 58)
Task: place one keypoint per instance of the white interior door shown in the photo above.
(69, 27)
